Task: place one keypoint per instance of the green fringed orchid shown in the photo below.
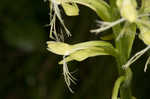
(123, 17)
(62, 48)
(79, 52)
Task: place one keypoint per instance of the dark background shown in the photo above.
(29, 71)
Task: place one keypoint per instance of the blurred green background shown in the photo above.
(29, 71)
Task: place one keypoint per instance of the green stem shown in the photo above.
(117, 86)
(124, 46)
(125, 89)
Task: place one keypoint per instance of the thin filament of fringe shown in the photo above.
(141, 21)
(107, 25)
(135, 57)
(53, 29)
(53, 32)
(146, 65)
(61, 20)
(67, 75)
(55, 8)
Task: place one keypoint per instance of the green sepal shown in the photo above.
(84, 54)
(99, 6)
(59, 48)
(91, 51)
(144, 27)
(81, 51)
(71, 9)
(145, 35)
(92, 44)
(145, 8)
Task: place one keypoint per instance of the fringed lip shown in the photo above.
(135, 57)
(67, 75)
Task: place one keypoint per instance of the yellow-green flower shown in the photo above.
(128, 9)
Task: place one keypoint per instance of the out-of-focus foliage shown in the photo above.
(20, 26)
(29, 71)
